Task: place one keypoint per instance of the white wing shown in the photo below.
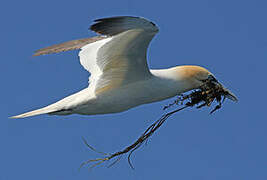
(117, 58)
(121, 57)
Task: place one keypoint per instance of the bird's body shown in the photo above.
(120, 78)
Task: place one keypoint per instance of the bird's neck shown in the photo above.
(170, 81)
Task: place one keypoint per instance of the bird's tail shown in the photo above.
(44, 110)
(62, 107)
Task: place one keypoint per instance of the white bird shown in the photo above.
(120, 78)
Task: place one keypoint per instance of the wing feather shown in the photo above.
(67, 46)
(121, 58)
(114, 25)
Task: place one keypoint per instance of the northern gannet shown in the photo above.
(120, 78)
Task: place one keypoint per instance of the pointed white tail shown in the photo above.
(44, 110)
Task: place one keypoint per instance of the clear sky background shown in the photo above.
(228, 37)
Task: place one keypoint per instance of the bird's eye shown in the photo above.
(212, 78)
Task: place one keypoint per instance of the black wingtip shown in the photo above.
(109, 25)
(115, 18)
(114, 25)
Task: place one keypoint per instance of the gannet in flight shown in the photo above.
(120, 78)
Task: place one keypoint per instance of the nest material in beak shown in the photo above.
(205, 95)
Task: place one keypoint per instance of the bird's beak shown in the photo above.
(223, 91)
(227, 93)
(230, 95)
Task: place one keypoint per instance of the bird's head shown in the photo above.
(196, 76)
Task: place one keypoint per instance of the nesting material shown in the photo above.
(211, 91)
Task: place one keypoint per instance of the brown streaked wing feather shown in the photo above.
(67, 46)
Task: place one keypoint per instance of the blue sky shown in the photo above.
(227, 37)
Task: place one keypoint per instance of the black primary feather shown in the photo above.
(115, 25)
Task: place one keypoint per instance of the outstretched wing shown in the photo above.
(118, 57)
